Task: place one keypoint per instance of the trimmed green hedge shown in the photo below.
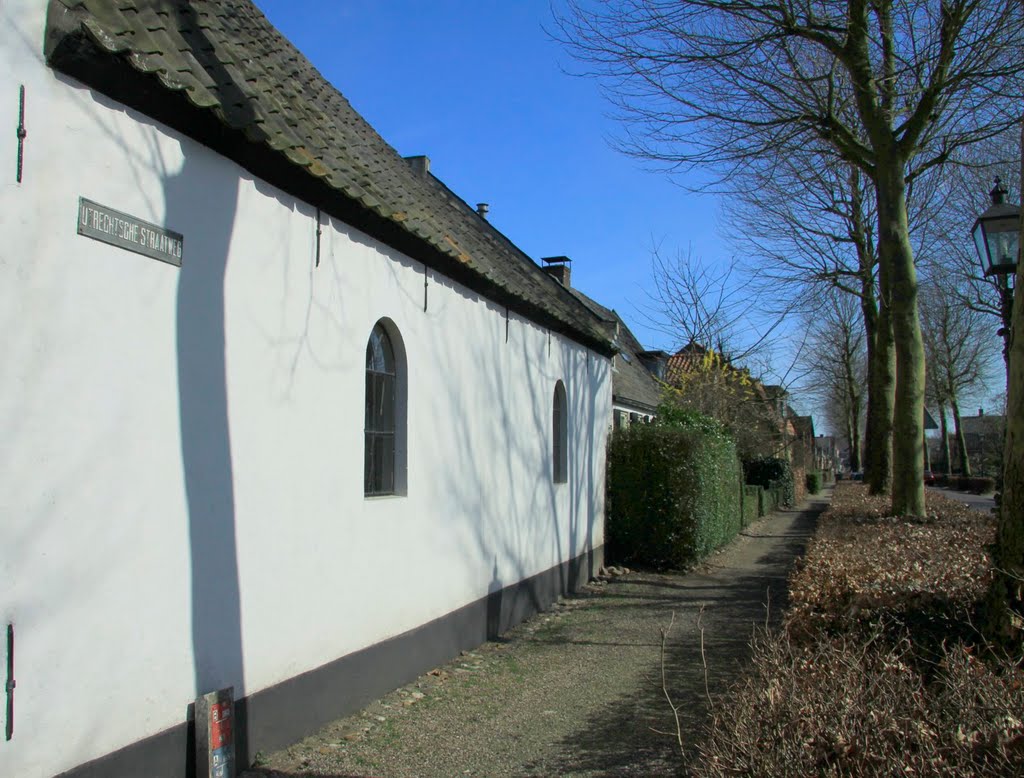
(770, 500)
(751, 503)
(673, 492)
(975, 484)
(813, 482)
(771, 472)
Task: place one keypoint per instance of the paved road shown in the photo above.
(981, 502)
(577, 690)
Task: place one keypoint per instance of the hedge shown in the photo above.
(975, 484)
(751, 503)
(813, 482)
(771, 472)
(673, 492)
(771, 499)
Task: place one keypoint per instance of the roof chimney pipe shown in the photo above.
(483, 209)
(558, 268)
(419, 164)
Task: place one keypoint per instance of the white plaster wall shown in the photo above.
(182, 499)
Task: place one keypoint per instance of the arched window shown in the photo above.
(381, 414)
(559, 436)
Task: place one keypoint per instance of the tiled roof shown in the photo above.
(632, 383)
(988, 424)
(221, 73)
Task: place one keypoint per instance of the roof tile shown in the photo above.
(228, 58)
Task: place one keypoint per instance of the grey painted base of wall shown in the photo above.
(275, 717)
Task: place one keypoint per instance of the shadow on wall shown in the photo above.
(202, 202)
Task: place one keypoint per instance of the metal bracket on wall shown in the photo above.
(506, 324)
(11, 683)
(426, 277)
(318, 233)
(22, 132)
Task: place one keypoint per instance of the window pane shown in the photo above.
(558, 435)
(386, 444)
(379, 413)
(386, 407)
(368, 465)
(380, 357)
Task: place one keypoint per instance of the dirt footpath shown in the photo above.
(576, 690)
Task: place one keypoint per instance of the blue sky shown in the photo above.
(481, 89)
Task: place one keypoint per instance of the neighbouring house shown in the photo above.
(637, 374)
(282, 413)
(803, 449)
(757, 415)
(983, 438)
(827, 453)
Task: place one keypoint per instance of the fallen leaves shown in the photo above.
(864, 565)
(871, 675)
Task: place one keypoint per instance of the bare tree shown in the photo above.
(837, 358)
(893, 87)
(810, 226)
(959, 353)
(719, 308)
(963, 193)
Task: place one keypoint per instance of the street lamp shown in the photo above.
(996, 234)
(997, 238)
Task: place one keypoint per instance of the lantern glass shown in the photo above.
(997, 239)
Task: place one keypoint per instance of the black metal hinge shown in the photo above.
(318, 233)
(11, 683)
(22, 133)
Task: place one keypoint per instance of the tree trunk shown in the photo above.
(881, 373)
(961, 444)
(855, 463)
(852, 409)
(851, 431)
(1006, 598)
(908, 408)
(944, 438)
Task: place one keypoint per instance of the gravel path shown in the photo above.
(576, 690)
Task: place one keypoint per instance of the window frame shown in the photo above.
(384, 424)
(559, 435)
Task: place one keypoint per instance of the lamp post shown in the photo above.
(997, 238)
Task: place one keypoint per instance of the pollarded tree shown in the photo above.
(893, 87)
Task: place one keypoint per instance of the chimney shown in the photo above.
(559, 269)
(420, 165)
(981, 411)
(483, 209)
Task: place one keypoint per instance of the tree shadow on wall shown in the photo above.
(201, 202)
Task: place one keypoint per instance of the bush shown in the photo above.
(813, 482)
(673, 491)
(771, 472)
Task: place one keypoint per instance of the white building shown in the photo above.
(280, 411)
